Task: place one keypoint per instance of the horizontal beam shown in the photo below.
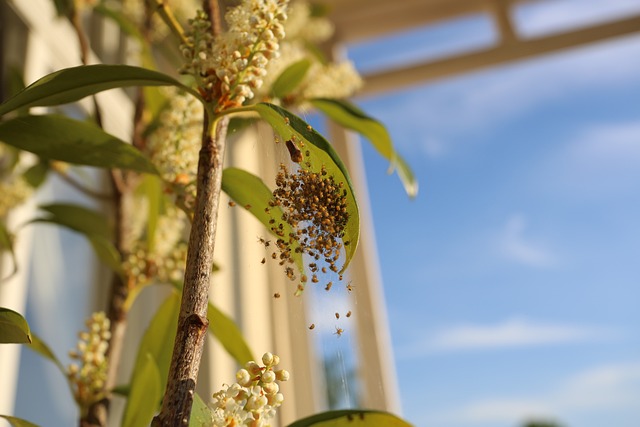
(395, 79)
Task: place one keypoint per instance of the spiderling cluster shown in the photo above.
(314, 206)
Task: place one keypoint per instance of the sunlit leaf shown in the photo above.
(228, 334)
(144, 395)
(72, 84)
(251, 193)
(201, 415)
(13, 328)
(288, 125)
(6, 244)
(158, 338)
(351, 418)
(18, 422)
(59, 137)
(290, 78)
(351, 117)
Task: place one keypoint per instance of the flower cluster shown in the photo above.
(230, 66)
(254, 398)
(88, 376)
(322, 80)
(315, 208)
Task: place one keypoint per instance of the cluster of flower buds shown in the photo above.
(230, 66)
(87, 377)
(254, 398)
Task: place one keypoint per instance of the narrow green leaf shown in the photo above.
(158, 339)
(351, 117)
(58, 137)
(37, 173)
(145, 394)
(151, 188)
(18, 422)
(252, 193)
(78, 218)
(201, 415)
(72, 84)
(288, 125)
(13, 328)
(290, 78)
(43, 350)
(352, 418)
(106, 252)
(228, 334)
(6, 244)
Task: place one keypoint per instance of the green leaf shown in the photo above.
(78, 218)
(288, 125)
(250, 191)
(228, 334)
(13, 328)
(6, 244)
(106, 252)
(72, 84)
(201, 415)
(37, 173)
(151, 188)
(351, 117)
(290, 78)
(43, 350)
(58, 137)
(18, 422)
(145, 394)
(158, 339)
(351, 418)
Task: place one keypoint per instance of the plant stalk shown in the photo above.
(192, 320)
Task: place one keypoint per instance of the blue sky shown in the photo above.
(513, 280)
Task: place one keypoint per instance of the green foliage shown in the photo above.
(7, 245)
(43, 350)
(290, 78)
(229, 335)
(14, 329)
(73, 84)
(37, 173)
(151, 188)
(18, 422)
(145, 394)
(290, 126)
(351, 418)
(61, 138)
(351, 117)
(251, 192)
(200, 413)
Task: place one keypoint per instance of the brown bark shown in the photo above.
(192, 320)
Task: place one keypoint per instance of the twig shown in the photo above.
(192, 321)
(167, 16)
(212, 8)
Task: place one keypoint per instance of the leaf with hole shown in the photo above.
(59, 137)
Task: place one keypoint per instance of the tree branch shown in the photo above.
(192, 321)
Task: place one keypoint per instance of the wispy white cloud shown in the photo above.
(511, 333)
(614, 387)
(516, 246)
(599, 161)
